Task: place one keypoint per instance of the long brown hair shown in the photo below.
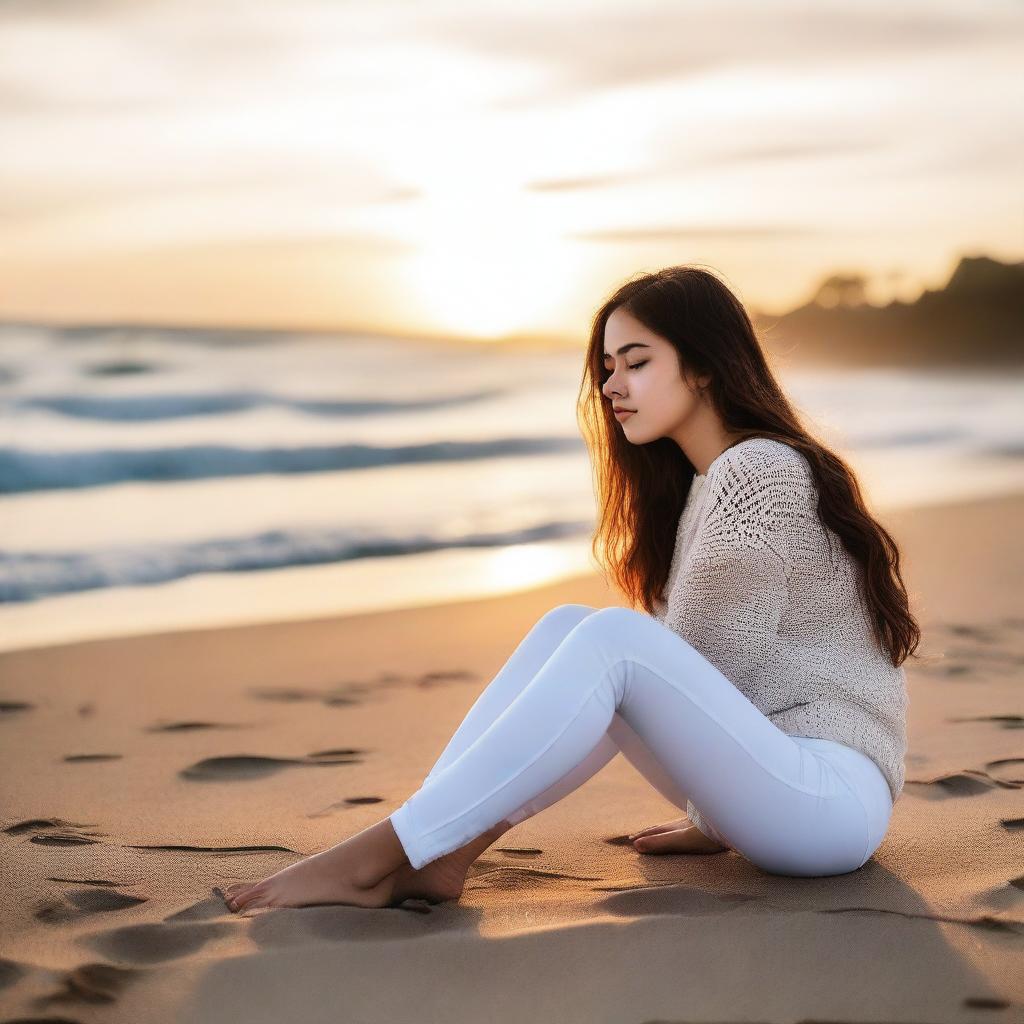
(641, 489)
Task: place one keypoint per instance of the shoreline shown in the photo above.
(902, 517)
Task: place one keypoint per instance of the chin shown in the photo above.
(633, 436)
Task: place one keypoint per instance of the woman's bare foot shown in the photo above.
(437, 882)
(677, 836)
(332, 876)
(445, 878)
(356, 872)
(317, 879)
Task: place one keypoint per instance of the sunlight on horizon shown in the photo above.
(442, 170)
(487, 269)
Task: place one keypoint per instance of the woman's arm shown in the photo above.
(731, 593)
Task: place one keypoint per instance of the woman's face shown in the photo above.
(647, 379)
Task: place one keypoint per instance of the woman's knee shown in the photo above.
(615, 617)
(566, 617)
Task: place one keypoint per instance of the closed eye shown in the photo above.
(635, 366)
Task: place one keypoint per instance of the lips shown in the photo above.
(622, 414)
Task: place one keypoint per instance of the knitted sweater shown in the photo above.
(755, 587)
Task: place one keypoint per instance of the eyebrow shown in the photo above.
(626, 348)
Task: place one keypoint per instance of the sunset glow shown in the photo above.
(490, 171)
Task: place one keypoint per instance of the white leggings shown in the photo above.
(584, 684)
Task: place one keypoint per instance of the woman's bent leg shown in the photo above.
(774, 801)
(619, 738)
(518, 671)
(512, 678)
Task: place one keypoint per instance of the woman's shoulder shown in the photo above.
(761, 463)
(759, 488)
(759, 494)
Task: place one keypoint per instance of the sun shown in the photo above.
(486, 266)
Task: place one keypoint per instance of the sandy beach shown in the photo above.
(141, 774)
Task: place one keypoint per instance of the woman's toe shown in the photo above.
(257, 899)
(243, 899)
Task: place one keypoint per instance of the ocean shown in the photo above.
(154, 479)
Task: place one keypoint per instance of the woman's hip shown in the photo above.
(829, 820)
(865, 780)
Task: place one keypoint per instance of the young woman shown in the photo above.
(758, 684)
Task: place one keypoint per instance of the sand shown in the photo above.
(141, 774)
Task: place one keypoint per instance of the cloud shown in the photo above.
(682, 162)
(702, 233)
(589, 46)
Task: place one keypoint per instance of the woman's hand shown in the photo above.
(677, 836)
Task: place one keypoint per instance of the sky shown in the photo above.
(485, 169)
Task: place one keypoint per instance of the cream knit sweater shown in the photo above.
(755, 587)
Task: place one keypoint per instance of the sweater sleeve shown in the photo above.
(728, 605)
(731, 594)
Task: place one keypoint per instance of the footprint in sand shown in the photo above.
(213, 906)
(189, 726)
(1005, 896)
(951, 669)
(287, 695)
(391, 679)
(250, 766)
(100, 900)
(454, 676)
(64, 833)
(93, 983)
(62, 838)
(510, 878)
(982, 634)
(11, 972)
(1012, 824)
(155, 943)
(357, 691)
(1009, 771)
(349, 801)
(1006, 721)
(68, 833)
(986, 1003)
(34, 824)
(337, 697)
(969, 782)
(78, 903)
(9, 707)
(974, 652)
